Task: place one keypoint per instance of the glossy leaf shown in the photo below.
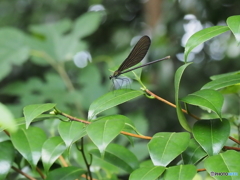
(177, 79)
(32, 111)
(14, 50)
(164, 147)
(6, 158)
(186, 172)
(223, 82)
(119, 156)
(52, 149)
(233, 23)
(28, 143)
(202, 36)
(211, 134)
(103, 131)
(71, 131)
(65, 173)
(206, 98)
(150, 173)
(6, 119)
(227, 162)
(193, 153)
(110, 100)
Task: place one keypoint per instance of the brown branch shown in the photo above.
(235, 140)
(40, 173)
(24, 174)
(169, 103)
(233, 148)
(87, 122)
(200, 170)
(63, 161)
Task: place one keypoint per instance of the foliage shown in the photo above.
(74, 148)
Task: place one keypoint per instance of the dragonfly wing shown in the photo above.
(137, 53)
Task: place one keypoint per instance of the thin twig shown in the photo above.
(63, 161)
(87, 122)
(169, 103)
(24, 174)
(233, 148)
(235, 140)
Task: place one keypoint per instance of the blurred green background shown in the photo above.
(39, 39)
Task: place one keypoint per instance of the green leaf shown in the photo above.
(29, 143)
(227, 162)
(186, 172)
(14, 50)
(6, 119)
(164, 147)
(59, 27)
(206, 98)
(233, 23)
(6, 158)
(119, 156)
(150, 173)
(223, 82)
(110, 100)
(87, 24)
(202, 36)
(57, 46)
(177, 79)
(193, 153)
(52, 149)
(211, 134)
(103, 131)
(70, 132)
(32, 111)
(65, 173)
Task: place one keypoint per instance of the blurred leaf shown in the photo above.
(52, 149)
(202, 36)
(140, 150)
(233, 23)
(164, 147)
(71, 131)
(65, 173)
(206, 98)
(6, 119)
(103, 131)
(14, 50)
(59, 27)
(29, 143)
(56, 46)
(186, 172)
(177, 79)
(92, 80)
(110, 100)
(226, 162)
(87, 24)
(149, 173)
(223, 82)
(119, 156)
(36, 91)
(193, 153)
(211, 134)
(6, 158)
(32, 111)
